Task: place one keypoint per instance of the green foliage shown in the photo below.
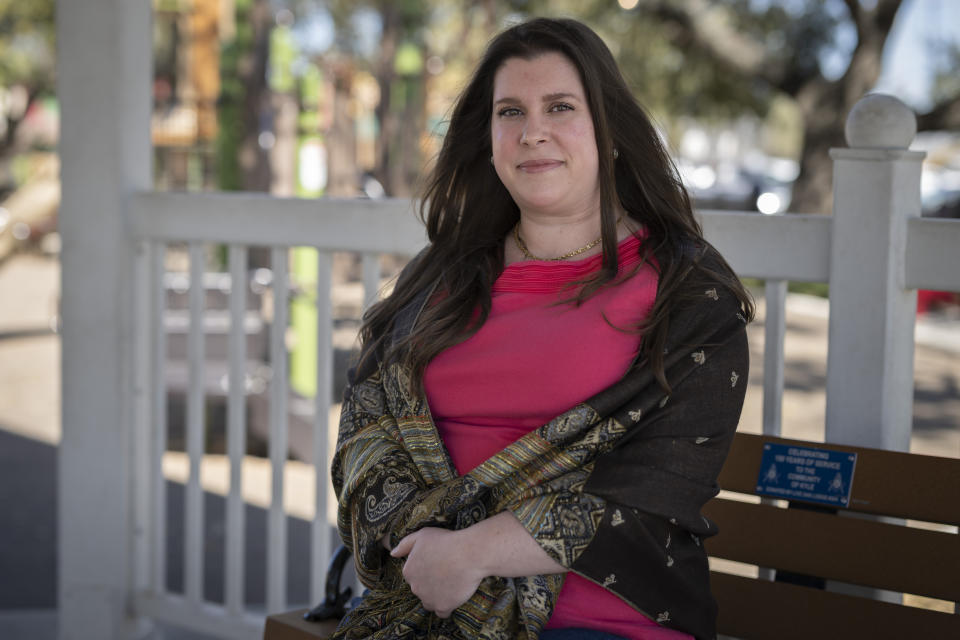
(671, 81)
(27, 44)
(229, 176)
(412, 18)
(283, 53)
(795, 39)
(230, 106)
(946, 84)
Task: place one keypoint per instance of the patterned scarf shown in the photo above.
(611, 489)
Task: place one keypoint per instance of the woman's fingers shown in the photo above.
(437, 570)
(404, 547)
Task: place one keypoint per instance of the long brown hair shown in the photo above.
(468, 211)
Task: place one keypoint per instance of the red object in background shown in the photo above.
(927, 300)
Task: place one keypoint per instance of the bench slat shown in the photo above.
(891, 483)
(854, 550)
(292, 626)
(755, 609)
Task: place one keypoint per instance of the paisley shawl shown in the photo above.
(610, 489)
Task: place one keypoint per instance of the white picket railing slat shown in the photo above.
(193, 560)
(277, 446)
(321, 539)
(158, 418)
(235, 569)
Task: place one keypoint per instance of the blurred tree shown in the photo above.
(712, 60)
(26, 61)
(399, 110)
(399, 71)
(242, 162)
(411, 32)
(946, 89)
(670, 79)
(776, 48)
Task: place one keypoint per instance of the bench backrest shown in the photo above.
(883, 553)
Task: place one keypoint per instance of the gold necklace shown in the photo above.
(529, 256)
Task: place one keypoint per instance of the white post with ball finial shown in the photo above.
(876, 187)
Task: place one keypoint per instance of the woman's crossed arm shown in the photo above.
(444, 568)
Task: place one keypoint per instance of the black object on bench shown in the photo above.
(335, 601)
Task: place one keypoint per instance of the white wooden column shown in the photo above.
(876, 185)
(104, 75)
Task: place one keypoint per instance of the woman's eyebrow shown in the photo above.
(563, 95)
(550, 97)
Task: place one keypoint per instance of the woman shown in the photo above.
(544, 402)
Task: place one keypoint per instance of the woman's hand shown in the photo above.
(444, 568)
(438, 569)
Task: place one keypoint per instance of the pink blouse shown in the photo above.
(532, 360)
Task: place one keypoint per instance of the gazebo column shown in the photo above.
(104, 78)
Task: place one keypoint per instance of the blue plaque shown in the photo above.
(810, 474)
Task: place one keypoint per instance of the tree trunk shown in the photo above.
(825, 106)
(819, 103)
(254, 161)
(407, 161)
(389, 41)
(341, 138)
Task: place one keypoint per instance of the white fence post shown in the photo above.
(104, 71)
(876, 186)
(775, 329)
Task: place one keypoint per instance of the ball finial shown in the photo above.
(880, 121)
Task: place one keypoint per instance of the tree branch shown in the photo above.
(873, 25)
(879, 18)
(946, 115)
(885, 13)
(866, 62)
(856, 12)
(708, 27)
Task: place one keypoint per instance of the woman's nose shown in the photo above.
(534, 131)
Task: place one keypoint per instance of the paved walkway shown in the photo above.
(936, 410)
(30, 426)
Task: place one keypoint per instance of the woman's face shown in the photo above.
(544, 147)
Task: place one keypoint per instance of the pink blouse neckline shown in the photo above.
(547, 276)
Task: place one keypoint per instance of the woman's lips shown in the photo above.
(538, 166)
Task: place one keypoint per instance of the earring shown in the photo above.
(616, 154)
(491, 159)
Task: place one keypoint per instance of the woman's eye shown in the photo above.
(563, 106)
(509, 112)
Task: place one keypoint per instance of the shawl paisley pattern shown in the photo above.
(611, 489)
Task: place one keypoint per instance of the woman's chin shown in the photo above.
(541, 203)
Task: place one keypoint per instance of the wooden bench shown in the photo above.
(887, 554)
(819, 546)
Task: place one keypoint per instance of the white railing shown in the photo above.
(792, 247)
(789, 247)
(875, 251)
(158, 221)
